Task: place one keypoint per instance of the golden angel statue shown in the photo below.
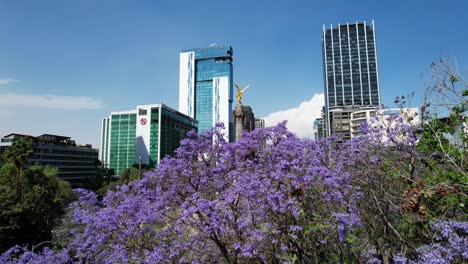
(240, 92)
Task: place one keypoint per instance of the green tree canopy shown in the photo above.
(18, 154)
(29, 217)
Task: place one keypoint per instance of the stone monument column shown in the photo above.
(239, 120)
(239, 112)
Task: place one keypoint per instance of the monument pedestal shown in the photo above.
(239, 120)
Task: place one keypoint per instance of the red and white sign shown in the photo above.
(143, 121)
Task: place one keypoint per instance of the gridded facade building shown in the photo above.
(118, 147)
(259, 123)
(350, 74)
(75, 163)
(148, 133)
(206, 86)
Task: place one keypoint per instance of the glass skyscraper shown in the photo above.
(350, 73)
(206, 86)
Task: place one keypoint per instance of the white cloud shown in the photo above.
(7, 81)
(300, 119)
(49, 101)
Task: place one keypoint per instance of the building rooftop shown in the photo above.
(45, 138)
(18, 135)
(350, 24)
(50, 137)
(212, 52)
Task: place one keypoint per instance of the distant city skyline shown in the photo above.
(64, 65)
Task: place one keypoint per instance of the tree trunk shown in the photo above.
(384, 252)
(17, 181)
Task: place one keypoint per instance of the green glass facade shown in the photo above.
(151, 132)
(154, 139)
(174, 127)
(122, 141)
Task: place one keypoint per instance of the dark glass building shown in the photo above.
(351, 73)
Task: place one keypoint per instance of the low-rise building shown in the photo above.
(385, 118)
(75, 163)
(259, 123)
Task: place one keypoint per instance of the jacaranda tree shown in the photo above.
(270, 197)
(396, 194)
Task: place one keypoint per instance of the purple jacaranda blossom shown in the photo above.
(217, 201)
(451, 243)
(270, 197)
(19, 254)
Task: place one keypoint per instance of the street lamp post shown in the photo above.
(139, 167)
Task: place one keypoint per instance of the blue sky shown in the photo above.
(64, 65)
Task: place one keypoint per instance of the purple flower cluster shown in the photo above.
(391, 130)
(260, 199)
(451, 243)
(19, 254)
(270, 197)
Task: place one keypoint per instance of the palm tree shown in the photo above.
(18, 154)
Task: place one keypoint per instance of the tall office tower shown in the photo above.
(350, 73)
(146, 134)
(205, 86)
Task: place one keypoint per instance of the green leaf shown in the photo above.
(453, 79)
(293, 258)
